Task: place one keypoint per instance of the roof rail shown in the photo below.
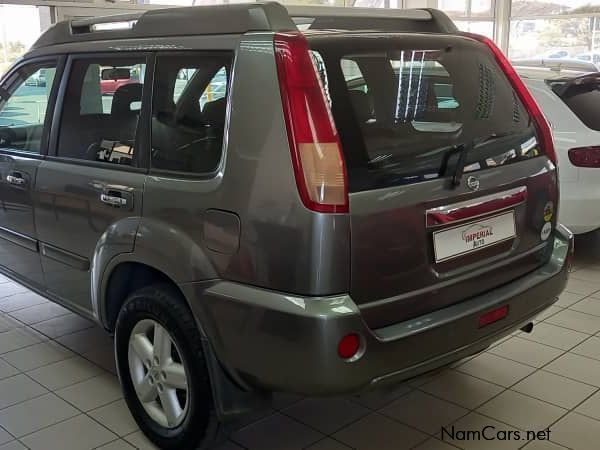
(328, 17)
(195, 20)
(556, 64)
(242, 18)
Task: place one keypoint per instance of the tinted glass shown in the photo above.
(406, 108)
(23, 103)
(583, 100)
(188, 112)
(101, 110)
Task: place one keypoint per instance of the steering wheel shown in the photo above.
(7, 136)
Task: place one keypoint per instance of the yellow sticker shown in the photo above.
(548, 211)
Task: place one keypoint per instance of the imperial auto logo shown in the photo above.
(476, 235)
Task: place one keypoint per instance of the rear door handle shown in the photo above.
(113, 200)
(16, 179)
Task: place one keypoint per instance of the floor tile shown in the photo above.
(39, 313)
(582, 287)
(65, 373)
(526, 352)
(140, 442)
(377, 432)
(13, 445)
(35, 414)
(7, 323)
(6, 370)
(20, 301)
(554, 336)
(586, 274)
(548, 312)
(86, 340)
(18, 338)
(566, 299)
(423, 411)
(589, 348)
(78, 433)
(379, 398)
(468, 433)
(554, 389)
(577, 367)
(103, 356)
(434, 444)
(119, 444)
(576, 432)
(325, 444)
(276, 432)
(462, 389)
(521, 411)
(496, 369)
(18, 389)
(326, 415)
(92, 393)
(37, 355)
(543, 445)
(591, 407)
(62, 325)
(588, 305)
(575, 320)
(116, 417)
(5, 436)
(10, 289)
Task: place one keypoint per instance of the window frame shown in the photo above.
(140, 162)
(59, 62)
(198, 53)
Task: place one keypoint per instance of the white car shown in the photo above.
(570, 99)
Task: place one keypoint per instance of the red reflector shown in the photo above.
(585, 157)
(349, 346)
(493, 316)
(319, 166)
(541, 124)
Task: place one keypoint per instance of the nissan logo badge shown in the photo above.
(473, 183)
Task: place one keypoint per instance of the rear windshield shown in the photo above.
(406, 106)
(582, 96)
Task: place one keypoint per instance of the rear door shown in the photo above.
(26, 98)
(450, 192)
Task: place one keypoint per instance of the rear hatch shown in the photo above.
(451, 191)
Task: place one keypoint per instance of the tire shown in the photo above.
(192, 422)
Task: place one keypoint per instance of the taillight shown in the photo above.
(541, 124)
(585, 157)
(314, 143)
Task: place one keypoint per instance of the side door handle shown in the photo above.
(16, 178)
(113, 200)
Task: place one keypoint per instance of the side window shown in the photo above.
(101, 110)
(188, 111)
(24, 101)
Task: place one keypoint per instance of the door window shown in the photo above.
(188, 112)
(101, 110)
(24, 99)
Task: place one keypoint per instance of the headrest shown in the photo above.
(361, 104)
(124, 97)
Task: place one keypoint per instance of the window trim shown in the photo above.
(59, 62)
(141, 141)
(232, 54)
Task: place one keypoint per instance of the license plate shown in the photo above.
(473, 236)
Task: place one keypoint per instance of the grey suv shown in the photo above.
(251, 208)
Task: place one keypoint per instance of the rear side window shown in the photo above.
(583, 98)
(404, 107)
(188, 111)
(101, 110)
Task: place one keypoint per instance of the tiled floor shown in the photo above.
(58, 389)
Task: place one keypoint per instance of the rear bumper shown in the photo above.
(273, 341)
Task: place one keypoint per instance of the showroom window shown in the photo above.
(474, 16)
(563, 29)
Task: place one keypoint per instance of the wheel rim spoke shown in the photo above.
(171, 407)
(175, 376)
(162, 344)
(143, 347)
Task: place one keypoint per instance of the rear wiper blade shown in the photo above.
(459, 170)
